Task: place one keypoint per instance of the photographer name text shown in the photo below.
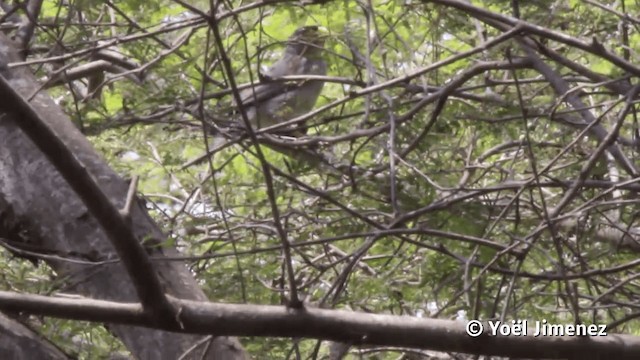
(533, 328)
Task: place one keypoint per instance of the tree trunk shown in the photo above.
(42, 213)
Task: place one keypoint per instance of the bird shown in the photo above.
(272, 102)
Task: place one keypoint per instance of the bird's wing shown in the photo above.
(288, 65)
(260, 93)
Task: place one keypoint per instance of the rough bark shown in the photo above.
(41, 209)
(18, 342)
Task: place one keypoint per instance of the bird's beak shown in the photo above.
(322, 35)
(323, 32)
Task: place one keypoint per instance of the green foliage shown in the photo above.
(452, 172)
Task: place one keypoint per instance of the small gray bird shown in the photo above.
(273, 102)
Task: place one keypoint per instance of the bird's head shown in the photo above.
(307, 41)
